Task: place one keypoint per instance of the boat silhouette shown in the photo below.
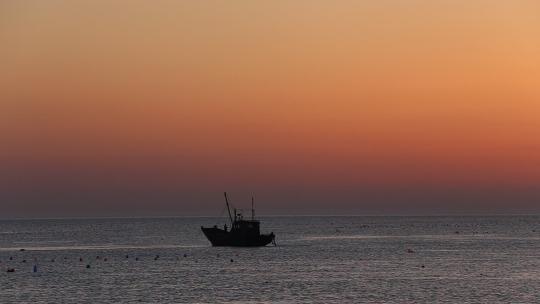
(243, 233)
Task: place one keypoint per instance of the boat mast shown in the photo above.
(252, 209)
(228, 208)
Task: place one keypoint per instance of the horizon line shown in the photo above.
(269, 216)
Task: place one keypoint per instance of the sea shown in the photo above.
(318, 259)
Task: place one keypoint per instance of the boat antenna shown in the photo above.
(228, 208)
(252, 209)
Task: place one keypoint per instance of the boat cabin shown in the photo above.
(247, 225)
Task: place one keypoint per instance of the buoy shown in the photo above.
(10, 270)
(35, 268)
(127, 256)
(136, 259)
(157, 257)
(105, 259)
(22, 249)
(409, 250)
(185, 255)
(232, 260)
(80, 259)
(24, 261)
(87, 265)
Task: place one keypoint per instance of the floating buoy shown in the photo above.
(87, 265)
(232, 260)
(34, 269)
(409, 250)
(136, 259)
(185, 255)
(127, 256)
(22, 249)
(80, 259)
(10, 270)
(105, 259)
(157, 257)
(24, 261)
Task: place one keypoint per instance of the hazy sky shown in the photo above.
(315, 106)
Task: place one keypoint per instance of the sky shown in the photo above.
(315, 107)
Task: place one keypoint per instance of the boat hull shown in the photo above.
(220, 237)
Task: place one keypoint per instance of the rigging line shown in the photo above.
(222, 212)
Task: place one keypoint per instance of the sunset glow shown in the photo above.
(315, 106)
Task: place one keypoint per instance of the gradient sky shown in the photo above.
(123, 107)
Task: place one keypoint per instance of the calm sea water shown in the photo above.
(317, 260)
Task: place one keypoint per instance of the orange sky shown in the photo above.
(331, 106)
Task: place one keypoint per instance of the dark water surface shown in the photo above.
(317, 260)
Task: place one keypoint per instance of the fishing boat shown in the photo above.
(242, 233)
